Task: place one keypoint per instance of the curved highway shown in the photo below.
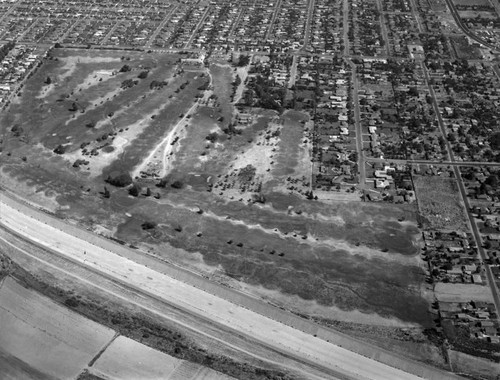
(466, 30)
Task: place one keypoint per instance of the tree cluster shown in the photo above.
(119, 179)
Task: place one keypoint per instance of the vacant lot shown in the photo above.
(439, 203)
(41, 337)
(446, 292)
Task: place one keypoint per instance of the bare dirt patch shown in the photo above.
(439, 203)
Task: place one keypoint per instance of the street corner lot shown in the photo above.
(439, 203)
(42, 338)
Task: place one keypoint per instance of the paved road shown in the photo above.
(304, 347)
(383, 27)
(307, 32)
(158, 29)
(466, 30)
(416, 15)
(277, 8)
(428, 162)
(465, 199)
(198, 26)
(293, 72)
(345, 26)
(359, 128)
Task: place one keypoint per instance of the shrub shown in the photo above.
(148, 225)
(60, 149)
(143, 74)
(71, 302)
(17, 130)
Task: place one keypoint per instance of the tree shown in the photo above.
(125, 68)
(106, 193)
(177, 185)
(60, 149)
(492, 181)
(17, 130)
(119, 179)
(212, 137)
(495, 141)
(143, 74)
(259, 198)
(148, 225)
(163, 183)
(237, 81)
(48, 80)
(134, 190)
(243, 60)
(148, 192)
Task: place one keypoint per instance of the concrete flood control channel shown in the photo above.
(342, 342)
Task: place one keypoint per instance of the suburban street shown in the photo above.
(306, 348)
(359, 129)
(463, 194)
(435, 163)
(307, 33)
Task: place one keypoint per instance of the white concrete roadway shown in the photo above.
(270, 332)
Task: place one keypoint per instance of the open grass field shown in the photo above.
(231, 212)
(52, 342)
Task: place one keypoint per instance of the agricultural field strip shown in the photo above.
(31, 324)
(197, 301)
(127, 359)
(120, 358)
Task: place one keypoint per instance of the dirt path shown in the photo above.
(161, 157)
(242, 72)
